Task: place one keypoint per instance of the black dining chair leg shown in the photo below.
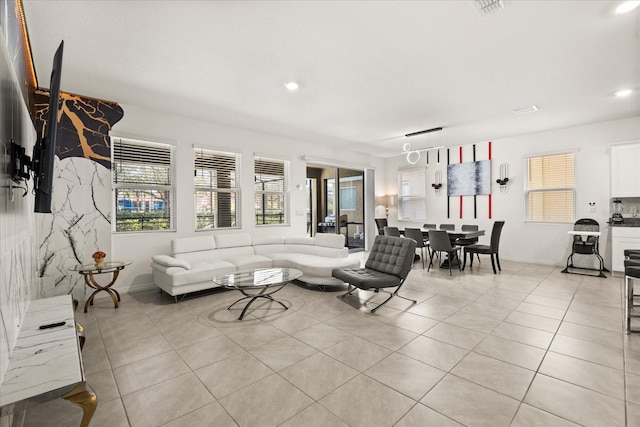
(493, 264)
(430, 260)
(498, 262)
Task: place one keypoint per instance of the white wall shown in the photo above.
(533, 242)
(18, 281)
(184, 133)
(527, 242)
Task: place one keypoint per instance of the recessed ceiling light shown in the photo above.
(627, 6)
(624, 92)
(292, 86)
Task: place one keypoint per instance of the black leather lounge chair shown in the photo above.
(388, 266)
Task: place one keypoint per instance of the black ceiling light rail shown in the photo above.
(423, 131)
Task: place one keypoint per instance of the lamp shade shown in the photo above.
(386, 200)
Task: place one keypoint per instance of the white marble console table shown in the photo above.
(46, 363)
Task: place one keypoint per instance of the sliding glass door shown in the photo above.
(337, 198)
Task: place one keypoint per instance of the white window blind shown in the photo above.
(412, 194)
(550, 191)
(143, 185)
(270, 176)
(216, 189)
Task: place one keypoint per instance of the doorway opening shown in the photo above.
(335, 203)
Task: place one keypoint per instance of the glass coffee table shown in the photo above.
(257, 283)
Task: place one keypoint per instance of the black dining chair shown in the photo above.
(492, 249)
(439, 242)
(391, 231)
(380, 224)
(461, 241)
(421, 242)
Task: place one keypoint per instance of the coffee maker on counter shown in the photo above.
(618, 208)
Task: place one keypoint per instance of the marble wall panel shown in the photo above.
(80, 222)
(79, 225)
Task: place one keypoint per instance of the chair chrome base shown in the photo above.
(377, 290)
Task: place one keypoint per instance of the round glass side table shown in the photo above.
(89, 271)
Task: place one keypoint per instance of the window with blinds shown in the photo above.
(143, 185)
(412, 194)
(550, 188)
(271, 187)
(216, 189)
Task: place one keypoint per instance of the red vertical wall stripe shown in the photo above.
(490, 193)
(460, 155)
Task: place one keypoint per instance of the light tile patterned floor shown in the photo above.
(529, 346)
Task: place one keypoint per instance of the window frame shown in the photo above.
(410, 197)
(285, 193)
(235, 192)
(550, 189)
(118, 185)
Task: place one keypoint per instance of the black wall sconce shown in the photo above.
(503, 181)
(437, 185)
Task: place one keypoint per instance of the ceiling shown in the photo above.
(369, 71)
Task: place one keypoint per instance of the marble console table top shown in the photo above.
(43, 360)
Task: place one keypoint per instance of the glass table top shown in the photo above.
(258, 278)
(106, 267)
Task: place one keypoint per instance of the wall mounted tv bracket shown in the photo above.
(20, 167)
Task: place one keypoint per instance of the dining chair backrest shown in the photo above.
(439, 241)
(415, 234)
(450, 227)
(429, 226)
(391, 231)
(380, 224)
(468, 227)
(495, 235)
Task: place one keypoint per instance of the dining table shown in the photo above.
(453, 236)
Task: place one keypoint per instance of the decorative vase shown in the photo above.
(99, 262)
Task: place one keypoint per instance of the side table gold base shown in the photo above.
(83, 396)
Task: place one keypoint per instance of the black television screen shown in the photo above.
(45, 149)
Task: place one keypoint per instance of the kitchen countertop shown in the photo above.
(628, 222)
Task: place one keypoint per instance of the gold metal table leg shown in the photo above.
(83, 396)
(90, 280)
(81, 337)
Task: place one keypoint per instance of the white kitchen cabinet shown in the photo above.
(623, 238)
(625, 170)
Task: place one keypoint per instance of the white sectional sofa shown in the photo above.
(194, 261)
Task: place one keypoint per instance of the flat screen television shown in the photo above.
(44, 150)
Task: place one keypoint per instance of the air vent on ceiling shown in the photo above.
(488, 7)
(526, 110)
